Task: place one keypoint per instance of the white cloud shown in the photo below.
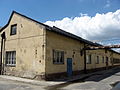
(101, 26)
(107, 4)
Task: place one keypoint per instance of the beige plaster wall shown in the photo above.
(29, 44)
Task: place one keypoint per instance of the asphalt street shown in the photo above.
(105, 80)
(15, 85)
(101, 81)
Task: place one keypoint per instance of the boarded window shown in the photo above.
(13, 29)
(88, 59)
(58, 57)
(11, 58)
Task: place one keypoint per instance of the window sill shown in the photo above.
(12, 34)
(9, 65)
(58, 63)
(88, 63)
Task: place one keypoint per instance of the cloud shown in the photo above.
(107, 4)
(99, 27)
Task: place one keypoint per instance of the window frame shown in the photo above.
(11, 29)
(97, 60)
(58, 57)
(89, 59)
(107, 59)
(103, 59)
(10, 59)
(116, 61)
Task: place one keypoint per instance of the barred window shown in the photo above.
(13, 29)
(88, 59)
(58, 57)
(11, 58)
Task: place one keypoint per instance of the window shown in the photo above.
(11, 58)
(106, 59)
(97, 61)
(111, 60)
(58, 57)
(88, 59)
(116, 60)
(13, 29)
(102, 59)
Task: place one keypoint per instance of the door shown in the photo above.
(69, 66)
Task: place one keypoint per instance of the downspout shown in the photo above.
(3, 37)
(85, 71)
(44, 51)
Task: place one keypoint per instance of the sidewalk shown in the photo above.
(51, 83)
(29, 81)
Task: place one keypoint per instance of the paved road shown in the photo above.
(99, 81)
(102, 81)
(15, 85)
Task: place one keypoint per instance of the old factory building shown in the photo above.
(34, 50)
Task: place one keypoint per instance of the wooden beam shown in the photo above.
(102, 47)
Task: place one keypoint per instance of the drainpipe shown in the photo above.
(3, 37)
(44, 51)
(85, 71)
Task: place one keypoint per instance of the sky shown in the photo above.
(90, 19)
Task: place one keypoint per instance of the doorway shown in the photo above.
(69, 66)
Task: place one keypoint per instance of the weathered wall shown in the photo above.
(100, 53)
(69, 46)
(29, 46)
(116, 56)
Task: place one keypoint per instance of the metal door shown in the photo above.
(69, 66)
